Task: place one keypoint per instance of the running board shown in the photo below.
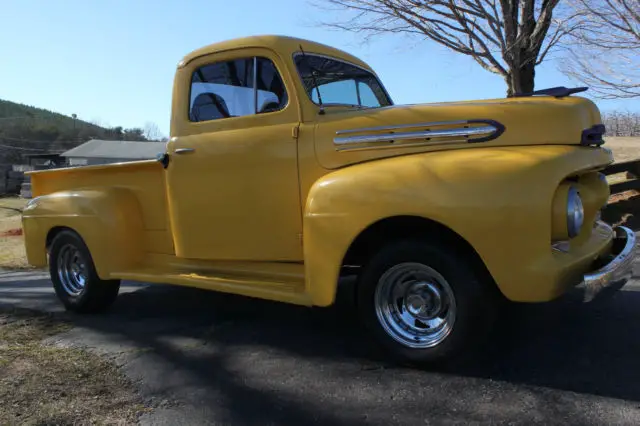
(289, 292)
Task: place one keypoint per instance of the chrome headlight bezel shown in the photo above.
(575, 212)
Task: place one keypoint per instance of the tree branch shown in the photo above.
(504, 37)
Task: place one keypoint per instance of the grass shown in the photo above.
(624, 149)
(12, 253)
(10, 209)
(44, 384)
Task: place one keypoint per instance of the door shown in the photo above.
(232, 178)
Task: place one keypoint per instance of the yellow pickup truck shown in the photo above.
(289, 167)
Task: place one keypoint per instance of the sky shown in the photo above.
(113, 61)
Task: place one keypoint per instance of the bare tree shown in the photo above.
(621, 123)
(506, 37)
(152, 131)
(605, 51)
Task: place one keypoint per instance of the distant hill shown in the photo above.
(29, 115)
(26, 129)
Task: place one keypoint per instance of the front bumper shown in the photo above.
(617, 270)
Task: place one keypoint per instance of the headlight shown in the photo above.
(575, 212)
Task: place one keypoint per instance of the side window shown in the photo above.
(272, 95)
(222, 90)
(367, 97)
(230, 89)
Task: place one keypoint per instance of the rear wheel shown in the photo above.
(74, 276)
(425, 302)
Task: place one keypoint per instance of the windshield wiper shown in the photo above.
(315, 82)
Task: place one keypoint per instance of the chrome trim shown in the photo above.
(184, 150)
(402, 126)
(344, 148)
(619, 270)
(255, 85)
(462, 132)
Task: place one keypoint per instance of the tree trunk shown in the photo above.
(521, 79)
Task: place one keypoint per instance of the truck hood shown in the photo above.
(347, 135)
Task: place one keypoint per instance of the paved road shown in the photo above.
(223, 359)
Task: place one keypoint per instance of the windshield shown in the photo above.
(339, 83)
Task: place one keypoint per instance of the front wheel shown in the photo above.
(425, 302)
(74, 276)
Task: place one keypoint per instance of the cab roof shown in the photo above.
(284, 45)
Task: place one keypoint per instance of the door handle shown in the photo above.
(184, 150)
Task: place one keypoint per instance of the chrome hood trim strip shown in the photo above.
(486, 130)
(475, 131)
(402, 126)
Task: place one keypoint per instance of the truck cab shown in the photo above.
(289, 164)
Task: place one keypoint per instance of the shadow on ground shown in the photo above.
(255, 362)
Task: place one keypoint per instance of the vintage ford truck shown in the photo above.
(289, 167)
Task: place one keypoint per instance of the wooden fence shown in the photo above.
(631, 181)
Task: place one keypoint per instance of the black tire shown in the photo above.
(476, 300)
(95, 295)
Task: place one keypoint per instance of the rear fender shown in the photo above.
(109, 220)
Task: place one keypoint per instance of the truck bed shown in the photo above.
(146, 179)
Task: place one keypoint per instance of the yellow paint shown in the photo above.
(266, 206)
(115, 208)
(236, 196)
(498, 199)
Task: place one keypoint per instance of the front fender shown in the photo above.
(498, 199)
(108, 219)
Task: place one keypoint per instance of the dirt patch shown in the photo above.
(11, 233)
(44, 384)
(624, 148)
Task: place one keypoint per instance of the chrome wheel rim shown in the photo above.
(415, 305)
(72, 270)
